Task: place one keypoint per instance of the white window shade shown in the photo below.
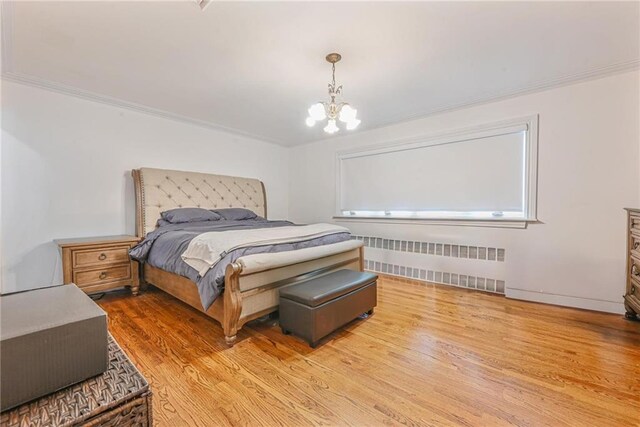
(483, 174)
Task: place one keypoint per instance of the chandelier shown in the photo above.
(333, 110)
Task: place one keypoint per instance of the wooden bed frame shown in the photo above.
(248, 294)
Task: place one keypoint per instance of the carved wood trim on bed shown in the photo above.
(246, 297)
(137, 188)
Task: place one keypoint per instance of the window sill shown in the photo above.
(461, 222)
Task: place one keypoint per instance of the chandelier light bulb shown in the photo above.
(333, 110)
(348, 114)
(331, 127)
(317, 112)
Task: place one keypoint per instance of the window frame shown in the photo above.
(530, 172)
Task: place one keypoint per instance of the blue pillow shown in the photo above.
(236, 214)
(181, 215)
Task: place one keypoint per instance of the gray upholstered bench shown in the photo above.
(315, 308)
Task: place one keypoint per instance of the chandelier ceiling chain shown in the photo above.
(333, 110)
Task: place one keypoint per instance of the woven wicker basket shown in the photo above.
(119, 397)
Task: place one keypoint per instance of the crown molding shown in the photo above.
(8, 74)
(540, 86)
(132, 106)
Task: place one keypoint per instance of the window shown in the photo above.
(485, 175)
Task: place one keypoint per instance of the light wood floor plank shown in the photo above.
(430, 355)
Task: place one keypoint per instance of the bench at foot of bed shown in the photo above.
(313, 309)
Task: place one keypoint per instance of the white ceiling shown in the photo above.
(256, 67)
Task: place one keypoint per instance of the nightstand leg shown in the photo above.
(135, 285)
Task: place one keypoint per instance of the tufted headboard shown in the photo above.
(158, 190)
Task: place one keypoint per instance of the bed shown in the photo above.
(252, 282)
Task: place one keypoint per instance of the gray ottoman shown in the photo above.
(315, 308)
(50, 338)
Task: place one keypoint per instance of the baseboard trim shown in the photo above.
(567, 301)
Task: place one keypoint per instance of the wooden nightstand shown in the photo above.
(98, 264)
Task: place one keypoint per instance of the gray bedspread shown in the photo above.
(163, 247)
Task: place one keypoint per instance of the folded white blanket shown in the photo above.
(207, 249)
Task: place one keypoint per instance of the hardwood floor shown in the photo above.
(430, 355)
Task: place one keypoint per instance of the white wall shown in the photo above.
(66, 166)
(589, 141)
(1, 228)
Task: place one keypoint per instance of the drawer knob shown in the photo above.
(103, 275)
(102, 256)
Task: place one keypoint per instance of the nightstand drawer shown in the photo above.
(104, 275)
(99, 264)
(95, 257)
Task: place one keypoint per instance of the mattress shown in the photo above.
(163, 248)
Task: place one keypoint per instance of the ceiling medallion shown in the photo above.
(333, 110)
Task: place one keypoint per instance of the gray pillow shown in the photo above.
(236, 214)
(162, 223)
(180, 215)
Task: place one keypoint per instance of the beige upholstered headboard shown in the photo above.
(158, 190)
